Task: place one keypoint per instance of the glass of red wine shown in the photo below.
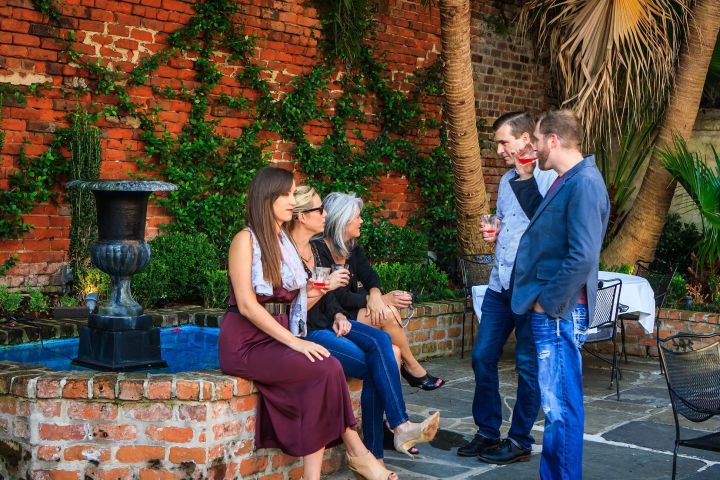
(527, 155)
(488, 223)
(320, 277)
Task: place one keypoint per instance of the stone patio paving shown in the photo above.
(630, 439)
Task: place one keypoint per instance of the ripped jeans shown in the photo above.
(558, 343)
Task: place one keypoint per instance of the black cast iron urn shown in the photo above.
(119, 336)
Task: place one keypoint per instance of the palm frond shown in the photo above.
(611, 57)
(702, 184)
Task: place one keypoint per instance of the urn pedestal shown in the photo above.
(119, 337)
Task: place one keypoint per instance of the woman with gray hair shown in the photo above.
(362, 298)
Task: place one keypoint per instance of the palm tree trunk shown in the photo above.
(470, 196)
(640, 233)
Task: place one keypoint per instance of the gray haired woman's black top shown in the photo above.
(362, 278)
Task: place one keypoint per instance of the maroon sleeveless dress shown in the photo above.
(303, 406)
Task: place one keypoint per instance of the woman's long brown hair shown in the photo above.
(269, 183)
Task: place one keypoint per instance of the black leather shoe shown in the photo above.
(476, 446)
(505, 453)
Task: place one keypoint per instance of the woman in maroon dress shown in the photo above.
(304, 404)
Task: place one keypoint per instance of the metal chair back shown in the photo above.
(474, 270)
(691, 363)
(659, 275)
(602, 327)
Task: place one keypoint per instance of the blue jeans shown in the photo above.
(558, 343)
(498, 321)
(366, 353)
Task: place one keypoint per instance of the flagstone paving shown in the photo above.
(629, 439)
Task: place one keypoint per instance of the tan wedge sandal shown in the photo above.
(366, 467)
(417, 433)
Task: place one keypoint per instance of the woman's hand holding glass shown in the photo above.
(398, 299)
(340, 277)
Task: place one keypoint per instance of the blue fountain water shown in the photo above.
(185, 349)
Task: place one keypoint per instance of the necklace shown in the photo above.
(297, 249)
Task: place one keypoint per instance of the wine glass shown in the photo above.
(408, 312)
(527, 155)
(488, 223)
(320, 276)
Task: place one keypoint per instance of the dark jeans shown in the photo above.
(496, 323)
(558, 343)
(366, 353)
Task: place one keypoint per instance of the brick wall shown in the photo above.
(58, 425)
(124, 31)
(79, 425)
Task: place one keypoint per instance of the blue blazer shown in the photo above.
(558, 254)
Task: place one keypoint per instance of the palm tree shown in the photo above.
(640, 233)
(702, 184)
(470, 196)
(612, 59)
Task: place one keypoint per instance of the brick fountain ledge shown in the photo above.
(197, 425)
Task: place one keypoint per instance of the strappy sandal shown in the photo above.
(417, 433)
(366, 467)
(426, 382)
(389, 440)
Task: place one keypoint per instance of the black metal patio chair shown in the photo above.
(474, 270)
(603, 326)
(691, 363)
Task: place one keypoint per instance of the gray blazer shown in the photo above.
(559, 253)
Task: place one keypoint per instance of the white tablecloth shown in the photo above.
(637, 294)
(478, 294)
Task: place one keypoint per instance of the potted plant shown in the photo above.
(10, 303)
(37, 303)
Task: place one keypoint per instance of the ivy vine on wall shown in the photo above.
(213, 171)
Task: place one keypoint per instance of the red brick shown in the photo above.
(184, 454)
(49, 431)
(112, 431)
(75, 388)
(187, 390)
(159, 390)
(253, 465)
(86, 452)
(169, 434)
(92, 411)
(152, 412)
(48, 453)
(131, 390)
(138, 454)
(56, 475)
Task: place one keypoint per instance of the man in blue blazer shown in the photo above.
(555, 279)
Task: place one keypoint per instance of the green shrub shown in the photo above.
(677, 241)
(68, 301)
(10, 302)
(216, 290)
(386, 242)
(624, 268)
(177, 270)
(37, 301)
(91, 279)
(425, 281)
(676, 292)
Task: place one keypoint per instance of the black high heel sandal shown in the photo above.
(426, 382)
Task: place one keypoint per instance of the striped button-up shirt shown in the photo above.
(513, 224)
